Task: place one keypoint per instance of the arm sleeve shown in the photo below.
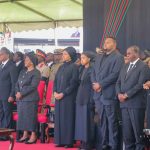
(55, 81)
(113, 76)
(13, 76)
(118, 85)
(73, 84)
(93, 73)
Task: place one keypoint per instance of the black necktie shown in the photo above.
(130, 67)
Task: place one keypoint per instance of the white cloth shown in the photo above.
(17, 64)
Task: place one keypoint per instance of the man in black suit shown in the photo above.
(19, 61)
(132, 98)
(106, 71)
(8, 77)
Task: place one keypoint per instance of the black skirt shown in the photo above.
(84, 125)
(27, 115)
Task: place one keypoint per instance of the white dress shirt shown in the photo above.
(132, 64)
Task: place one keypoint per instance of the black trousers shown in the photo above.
(132, 125)
(5, 114)
(148, 110)
(108, 124)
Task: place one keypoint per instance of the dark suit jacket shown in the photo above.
(132, 84)
(20, 67)
(107, 73)
(27, 85)
(8, 78)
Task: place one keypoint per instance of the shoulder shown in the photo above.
(11, 63)
(59, 64)
(75, 66)
(118, 55)
(23, 71)
(46, 67)
(98, 56)
(11, 66)
(36, 71)
(142, 65)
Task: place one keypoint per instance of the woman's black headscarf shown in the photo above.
(72, 52)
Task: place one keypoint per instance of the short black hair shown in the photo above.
(111, 37)
(5, 50)
(20, 55)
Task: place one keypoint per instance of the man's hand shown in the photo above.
(58, 96)
(96, 87)
(10, 99)
(122, 97)
(55, 95)
(146, 86)
(18, 96)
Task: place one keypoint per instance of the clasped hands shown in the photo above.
(58, 96)
(97, 87)
(122, 97)
(146, 86)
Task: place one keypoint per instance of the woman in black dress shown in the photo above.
(65, 89)
(27, 99)
(84, 125)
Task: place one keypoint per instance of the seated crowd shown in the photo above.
(97, 96)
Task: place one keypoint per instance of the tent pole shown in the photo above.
(55, 35)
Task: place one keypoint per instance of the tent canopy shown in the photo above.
(18, 15)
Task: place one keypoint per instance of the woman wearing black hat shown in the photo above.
(84, 125)
(27, 99)
(65, 89)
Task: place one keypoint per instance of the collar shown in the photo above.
(17, 64)
(134, 62)
(110, 52)
(50, 63)
(5, 62)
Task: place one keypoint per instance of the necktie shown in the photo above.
(1, 66)
(130, 67)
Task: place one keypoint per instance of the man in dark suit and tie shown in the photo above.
(104, 77)
(8, 77)
(19, 61)
(132, 98)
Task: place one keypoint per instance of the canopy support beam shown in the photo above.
(34, 11)
(8, 1)
(56, 21)
(74, 1)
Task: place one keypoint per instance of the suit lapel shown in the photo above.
(6, 65)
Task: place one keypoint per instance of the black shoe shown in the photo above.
(105, 147)
(22, 141)
(33, 142)
(68, 146)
